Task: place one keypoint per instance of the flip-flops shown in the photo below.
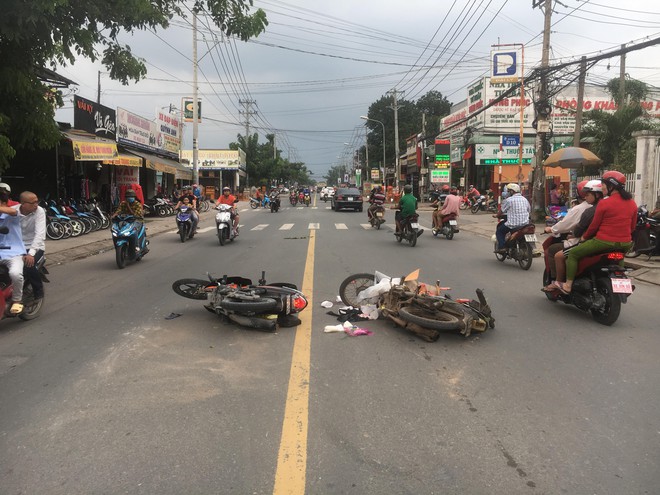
(16, 308)
(556, 286)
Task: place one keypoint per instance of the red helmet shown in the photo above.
(580, 186)
(445, 188)
(614, 178)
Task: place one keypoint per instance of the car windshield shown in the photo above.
(349, 191)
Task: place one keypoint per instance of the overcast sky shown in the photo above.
(320, 65)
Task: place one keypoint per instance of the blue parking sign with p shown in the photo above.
(505, 67)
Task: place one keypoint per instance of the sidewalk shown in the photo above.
(484, 224)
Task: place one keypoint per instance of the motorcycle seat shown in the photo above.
(588, 261)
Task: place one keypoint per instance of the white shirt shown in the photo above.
(34, 230)
(570, 221)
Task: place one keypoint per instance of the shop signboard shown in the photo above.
(506, 65)
(215, 159)
(476, 100)
(94, 118)
(187, 105)
(504, 116)
(125, 176)
(489, 154)
(168, 137)
(137, 131)
(440, 176)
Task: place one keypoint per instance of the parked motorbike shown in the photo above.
(449, 227)
(519, 245)
(410, 230)
(31, 305)
(646, 235)
(416, 306)
(263, 203)
(482, 203)
(224, 224)
(274, 202)
(378, 217)
(184, 222)
(261, 307)
(600, 286)
(130, 239)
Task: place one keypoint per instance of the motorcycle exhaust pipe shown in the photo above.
(263, 324)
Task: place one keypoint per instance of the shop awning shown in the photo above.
(89, 148)
(165, 165)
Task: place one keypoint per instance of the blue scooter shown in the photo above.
(130, 239)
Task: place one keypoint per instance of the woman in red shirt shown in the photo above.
(611, 229)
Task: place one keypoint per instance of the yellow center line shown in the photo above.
(292, 458)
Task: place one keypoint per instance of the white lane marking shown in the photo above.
(315, 207)
(313, 226)
(365, 226)
(286, 226)
(341, 226)
(206, 229)
(261, 226)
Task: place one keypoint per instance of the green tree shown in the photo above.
(612, 132)
(43, 33)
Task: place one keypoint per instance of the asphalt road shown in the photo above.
(103, 394)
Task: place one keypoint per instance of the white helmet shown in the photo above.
(513, 187)
(593, 186)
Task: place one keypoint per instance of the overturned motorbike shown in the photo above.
(418, 307)
(130, 239)
(261, 307)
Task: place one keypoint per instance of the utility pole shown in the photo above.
(395, 107)
(195, 176)
(248, 113)
(98, 90)
(622, 78)
(580, 99)
(543, 110)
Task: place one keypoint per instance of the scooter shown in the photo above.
(410, 230)
(519, 245)
(224, 224)
(293, 199)
(449, 227)
(31, 305)
(184, 222)
(307, 199)
(274, 203)
(483, 204)
(130, 239)
(377, 217)
(261, 307)
(645, 236)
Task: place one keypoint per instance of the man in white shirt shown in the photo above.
(33, 226)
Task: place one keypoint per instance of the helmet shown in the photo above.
(445, 188)
(407, 188)
(591, 186)
(226, 188)
(130, 193)
(580, 188)
(471, 187)
(453, 190)
(512, 186)
(614, 178)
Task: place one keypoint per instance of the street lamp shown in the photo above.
(364, 117)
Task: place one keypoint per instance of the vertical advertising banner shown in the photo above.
(476, 98)
(135, 130)
(168, 137)
(187, 105)
(94, 118)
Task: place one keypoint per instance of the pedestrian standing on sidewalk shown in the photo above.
(33, 229)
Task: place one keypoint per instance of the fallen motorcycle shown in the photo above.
(417, 307)
(261, 307)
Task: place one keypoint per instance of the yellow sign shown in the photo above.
(125, 161)
(90, 151)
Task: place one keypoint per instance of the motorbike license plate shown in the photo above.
(530, 237)
(621, 286)
(453, 222)
(414, 225)
(379, 213)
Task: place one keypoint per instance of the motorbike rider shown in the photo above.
(407, 208)
(517, 210)
(376, 199)
(592, 192)
(12, 250)
(192, 202)
(227, 198)
(473, 194)
(33, 228)
(131, 206)
(611, 229)
(451, 205)
(566, 226)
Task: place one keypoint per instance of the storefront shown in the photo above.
(217, 169)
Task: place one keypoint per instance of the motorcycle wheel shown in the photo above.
(120, 255)
(105, 222)
(353, 285)
(412, 239)
(87, 225)
(525, 260)
(434, 320)
(183, 232)
(632, 252)
(241, 307)
(463, 205)
(254, 205)
(612, 303)
(191, 288)
(498, 256)
(450, 233)
(31, 305)
(378, 223)
(68, 229)
(222, 236)
(475, 209)
(77, 227)
(161, 211)
(54, 230)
